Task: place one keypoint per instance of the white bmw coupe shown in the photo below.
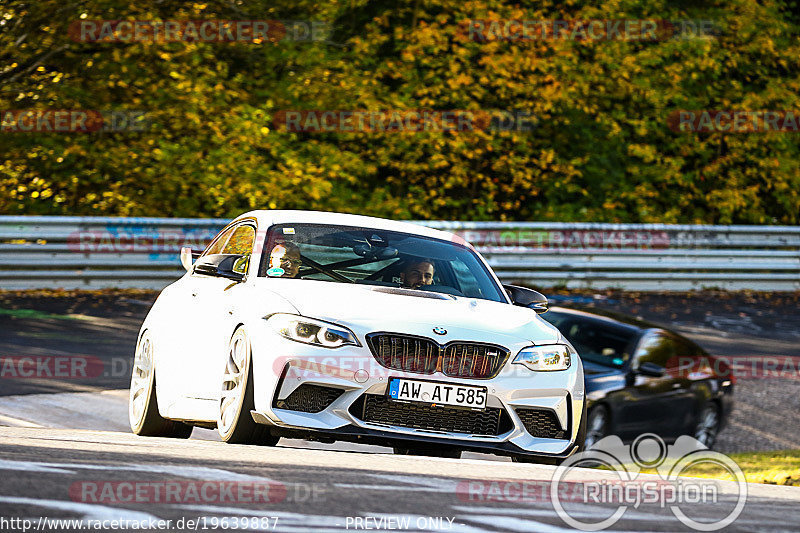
(327, 326)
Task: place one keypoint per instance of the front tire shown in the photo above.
(597, 426)
(143, 412)
(707, 426)
(234, 421)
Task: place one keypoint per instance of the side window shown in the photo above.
(656, 349)
(241, 243)
(218, 243)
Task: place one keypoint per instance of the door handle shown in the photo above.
(676, 385)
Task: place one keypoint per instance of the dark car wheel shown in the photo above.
(597, 425)
(707, 425)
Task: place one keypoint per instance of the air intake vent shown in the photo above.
(379, 409)
(541, 423)
(309, 398)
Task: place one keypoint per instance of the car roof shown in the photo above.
(618, 319)
(611, 317)
(288, 216)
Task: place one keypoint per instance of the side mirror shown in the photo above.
(524, 297)
(651, 369)
(221, 266)
(187, 258)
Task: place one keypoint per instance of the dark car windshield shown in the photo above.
(348, 254)
(598, 341)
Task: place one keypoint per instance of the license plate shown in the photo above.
(431, 392)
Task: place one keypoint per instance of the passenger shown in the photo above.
(284, 261)
(417, 272)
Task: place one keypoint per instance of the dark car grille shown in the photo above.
(381, 410)
(309, 398)
(541, 423)
(423, 356)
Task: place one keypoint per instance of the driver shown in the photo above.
(417, 272)
(284, 260)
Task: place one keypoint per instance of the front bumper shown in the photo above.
(515, 393)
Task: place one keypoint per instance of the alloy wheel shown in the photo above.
(233, 382)
(141, 379)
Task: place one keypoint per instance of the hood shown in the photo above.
(387, 309)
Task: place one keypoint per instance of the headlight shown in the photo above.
(545, 358)
(311, 331)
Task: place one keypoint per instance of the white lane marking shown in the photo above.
(591, 512)
(576, 510)
(518, 524)
(405, 488)
(17, 422)
(192, 472)
(88, 511)
(25, 466)
(444, 485)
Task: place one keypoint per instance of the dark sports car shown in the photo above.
(641, 378)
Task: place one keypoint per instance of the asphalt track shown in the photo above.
(66, 441)
(62, 473)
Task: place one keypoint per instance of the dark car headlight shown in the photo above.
(311, 331)
(545, 358)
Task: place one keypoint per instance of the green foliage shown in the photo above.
(601, 149)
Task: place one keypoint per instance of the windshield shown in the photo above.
(347, 254)
(595, 340)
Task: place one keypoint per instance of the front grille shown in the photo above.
(409, 354)
(541, 423)
(424, 356)
(309, 398)
(462, 360)
(381, 410)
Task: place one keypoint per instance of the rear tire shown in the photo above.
(234, 421)
(143, 415)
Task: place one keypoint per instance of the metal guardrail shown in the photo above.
(100, 252)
